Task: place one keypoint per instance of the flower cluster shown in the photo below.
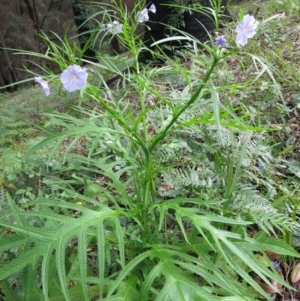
(73, 78)
(246, 28)
(142, 16)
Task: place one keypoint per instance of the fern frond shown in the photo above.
(3, 204)
(250, 201)
(188, 177)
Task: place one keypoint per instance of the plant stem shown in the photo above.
(120, 119)
(194, 97)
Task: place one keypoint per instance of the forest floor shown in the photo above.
(21, 111)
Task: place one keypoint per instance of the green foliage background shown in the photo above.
(172, 186)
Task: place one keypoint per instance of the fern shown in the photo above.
(3, 202)
(249, 201)
(188, 177)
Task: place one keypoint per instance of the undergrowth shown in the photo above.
(177, 184)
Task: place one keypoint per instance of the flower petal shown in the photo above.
(44, 85)
(241, 39)
(143, 15)
(152, 8)
(246, 29)
(74, 78)
(220, 41)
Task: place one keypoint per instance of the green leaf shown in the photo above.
(275, 245)
(47, 245)
(127, 290)
(238, 251)
(176, 285)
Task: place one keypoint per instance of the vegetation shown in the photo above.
(179, 183)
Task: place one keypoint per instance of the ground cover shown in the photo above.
(117, 199)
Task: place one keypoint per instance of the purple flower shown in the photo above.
(246, 29)
(114, 27)
(44, 85)
(74, 78)
(220, 41)
(152, 8)
(143, 15)
(276, 264)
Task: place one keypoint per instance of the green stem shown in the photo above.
(116, 115)
(145, 209)
(194, 97)
(233, 176)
